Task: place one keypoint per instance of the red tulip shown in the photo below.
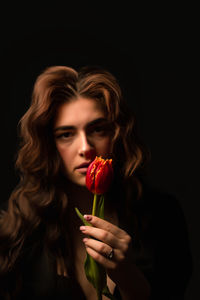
(98, 179)
(99, 175)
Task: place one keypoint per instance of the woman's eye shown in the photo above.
(64, 135)
(99, 131)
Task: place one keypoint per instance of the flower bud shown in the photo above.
(99, 175)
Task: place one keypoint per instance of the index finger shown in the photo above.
(105, 225)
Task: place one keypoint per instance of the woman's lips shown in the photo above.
(82, 170)
(83, 167)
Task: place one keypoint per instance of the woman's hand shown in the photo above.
(103, 237)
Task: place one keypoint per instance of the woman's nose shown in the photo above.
(86, 149)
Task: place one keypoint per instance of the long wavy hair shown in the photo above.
(40, 200)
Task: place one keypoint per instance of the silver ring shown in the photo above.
(111, 254)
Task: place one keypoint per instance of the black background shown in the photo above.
(153, 51)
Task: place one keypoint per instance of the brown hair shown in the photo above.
(39, 197)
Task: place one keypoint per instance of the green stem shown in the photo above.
(94, 207)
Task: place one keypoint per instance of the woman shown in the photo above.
(74, 117)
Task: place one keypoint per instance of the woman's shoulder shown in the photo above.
(159, 199)
(160, 214)
(156, 192)
(164, 206)
(164, 229)
(33, 271)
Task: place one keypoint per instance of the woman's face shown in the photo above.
(81, 132)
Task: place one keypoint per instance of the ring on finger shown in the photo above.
(110, 254)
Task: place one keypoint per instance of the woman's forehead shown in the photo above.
(78, 111)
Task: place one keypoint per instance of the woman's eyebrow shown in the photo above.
(64, 127)
(71, 127)
(97, 121)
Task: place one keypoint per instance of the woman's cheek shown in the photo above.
(104, 148)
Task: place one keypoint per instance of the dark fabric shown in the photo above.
(161, 251)
(168, 237)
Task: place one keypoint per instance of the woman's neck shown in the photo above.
(80, 197)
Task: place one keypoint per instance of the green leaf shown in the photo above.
(81, 217)
(95, 274)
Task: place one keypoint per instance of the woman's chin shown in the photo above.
(80, 181)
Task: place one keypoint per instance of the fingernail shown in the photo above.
(85, 240)
(82, 228)
(87, 217)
